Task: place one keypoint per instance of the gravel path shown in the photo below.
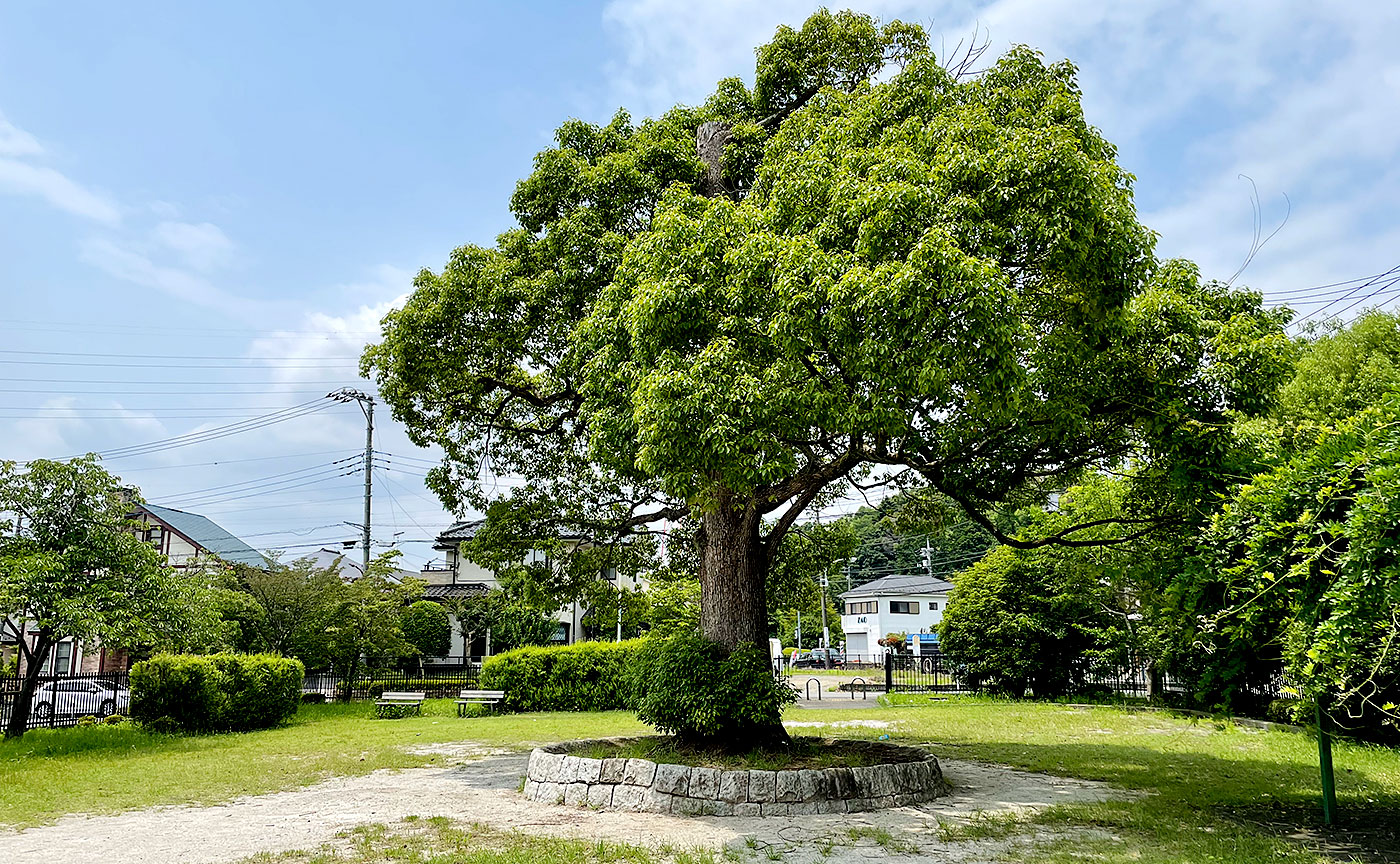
(484, 790)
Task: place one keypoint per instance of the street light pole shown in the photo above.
(366, 403)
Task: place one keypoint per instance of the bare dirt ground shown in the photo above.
(481, 787)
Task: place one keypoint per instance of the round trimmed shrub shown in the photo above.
(701, 692)
(427, 628)
(215, 693)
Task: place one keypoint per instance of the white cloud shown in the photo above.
(22, 178)
(129, 262)
(203, 246)
(19, 175)
(17, 142)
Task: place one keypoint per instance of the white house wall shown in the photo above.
(873, 626)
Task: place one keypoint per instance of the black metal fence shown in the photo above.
(67, 700)
(936, 673)
(436, 683)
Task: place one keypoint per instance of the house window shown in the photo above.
(863, 608)
(61, 659)
(903, 607)
(933, 606)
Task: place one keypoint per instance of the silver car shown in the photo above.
(79, 698)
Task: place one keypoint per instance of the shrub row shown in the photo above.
(585, 676)
(215, 693)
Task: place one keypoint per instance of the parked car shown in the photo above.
(817, 659)
(79, 698)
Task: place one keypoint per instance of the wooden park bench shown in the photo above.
(397, 704)
(478, 697)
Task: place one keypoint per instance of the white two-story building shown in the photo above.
(894, 604)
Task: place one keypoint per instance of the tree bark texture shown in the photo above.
(35, 658)
(710, 140)
(733, 570)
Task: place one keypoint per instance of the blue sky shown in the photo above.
(257, 182)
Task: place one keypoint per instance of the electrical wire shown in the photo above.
(300, 410)
(267, 485)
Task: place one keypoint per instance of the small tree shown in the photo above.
(296, 601)
(366, 617)
(426, 627)
(1038, 619)
(72, 567)
(511, 623)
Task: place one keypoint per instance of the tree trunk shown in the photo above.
(733, 569)
(733, 603)
(710, 140)
(33, 667)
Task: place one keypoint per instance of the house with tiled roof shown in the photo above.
(456, 575)
(187, 540)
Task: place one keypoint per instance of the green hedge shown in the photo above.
(216, 692)
(585, 676)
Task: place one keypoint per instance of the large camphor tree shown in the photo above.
(867, 268)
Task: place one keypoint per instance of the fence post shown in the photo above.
(889, 672)
(1324, 759)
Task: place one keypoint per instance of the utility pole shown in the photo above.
(366, 403)
(826, 631)
(928, 558)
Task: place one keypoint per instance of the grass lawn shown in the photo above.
(1206, 791)
(49, 773)
(438, 841)
(1216, 792)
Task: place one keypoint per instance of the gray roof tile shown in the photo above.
(909, 584)
(208, 535)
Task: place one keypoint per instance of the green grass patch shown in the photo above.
(106, 769)
(439, 841)
(804, 752)
(1214, 791)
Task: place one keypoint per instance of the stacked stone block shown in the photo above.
(911, 776)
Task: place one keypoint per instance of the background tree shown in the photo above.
(71, 567)
(1342, 371)
(427, 628)
(510, 622)
(295, 603)
(836, 277)
(1041, 619)
(365, 621)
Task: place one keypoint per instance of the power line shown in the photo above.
(246, 365)
(233, 461)
(167, 356)
(326, 471)
(299, 410)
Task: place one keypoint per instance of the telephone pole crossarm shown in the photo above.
(366, 403)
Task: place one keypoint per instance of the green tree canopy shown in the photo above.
(1344, 371)
(842, 275)
(427, 628)
(72, 567)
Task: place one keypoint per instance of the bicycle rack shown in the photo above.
(863, 682)
(807, 689)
